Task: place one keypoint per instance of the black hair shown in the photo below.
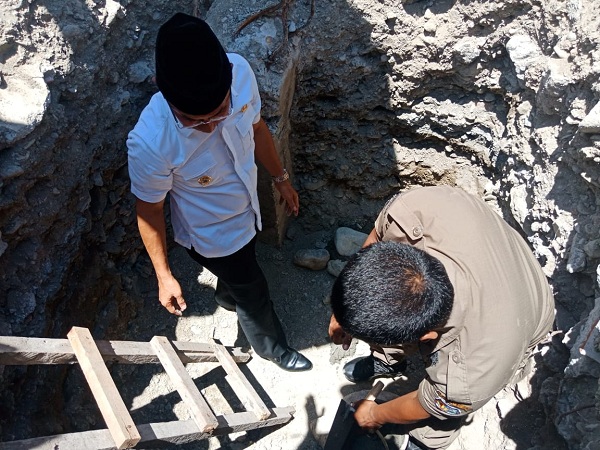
(392, 293)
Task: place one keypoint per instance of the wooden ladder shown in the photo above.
(122, 432)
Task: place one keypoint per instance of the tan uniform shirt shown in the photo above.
(503, 305)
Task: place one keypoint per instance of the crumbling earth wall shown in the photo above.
(365, 98)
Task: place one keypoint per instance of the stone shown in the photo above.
(592, 248)
(21, 305)
(554, 87)
(591, 122)
(468, 49)
(335, 266)
(139, 72)
(113, 10)
(348, 241)
(23, 102)
(524, 54)
(3, 245)
(518, 203)
(313, 259)
(577, 258)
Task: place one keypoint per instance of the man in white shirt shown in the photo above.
(197, 140)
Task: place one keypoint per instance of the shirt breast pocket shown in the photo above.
(458, 381)
(244, 128)
(200, 171)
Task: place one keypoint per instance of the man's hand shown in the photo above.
(151, 222)
(338, 335)
(289, 196)
(364, 415)
(170, 295)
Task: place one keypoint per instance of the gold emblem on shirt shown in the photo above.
(244, 108)
(204, 180)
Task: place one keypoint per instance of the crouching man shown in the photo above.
(441, 275)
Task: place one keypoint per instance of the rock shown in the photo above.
(529, 62)
(577, 258)
(592, 248)
(314, 259)
(518, 203)
(580, 364)
(560, 52)
(292, 232)
(113, 10)
(23, 102)
(20, 304)
(554, 86)
(4, 245)
(468, 49)
(335, 266)
(522, 51)
(348, 241)
(591, 122)
(139, 72)
(11, 170)
(314, 185)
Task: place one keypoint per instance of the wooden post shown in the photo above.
(113, 409)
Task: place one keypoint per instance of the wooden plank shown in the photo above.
(153, 435)
(201, 412)
(113, 409)
(24, 351)
(240, 383)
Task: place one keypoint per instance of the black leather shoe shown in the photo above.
(369, 367)
(293, 361)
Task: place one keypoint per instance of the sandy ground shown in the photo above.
(300, 299)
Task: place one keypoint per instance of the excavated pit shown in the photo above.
(365, 98)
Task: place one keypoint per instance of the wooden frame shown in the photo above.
(122, 432)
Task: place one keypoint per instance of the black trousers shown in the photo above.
(242, 286)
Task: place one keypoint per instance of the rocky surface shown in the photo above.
(365, 98)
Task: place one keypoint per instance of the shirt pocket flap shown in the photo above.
(401, 225)
(197, 166)
(244, 124)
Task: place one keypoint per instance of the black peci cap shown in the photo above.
(192, 69)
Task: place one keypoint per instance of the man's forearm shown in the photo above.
(152, 226)
(402, 410)
(265, 151)
(151, 222)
